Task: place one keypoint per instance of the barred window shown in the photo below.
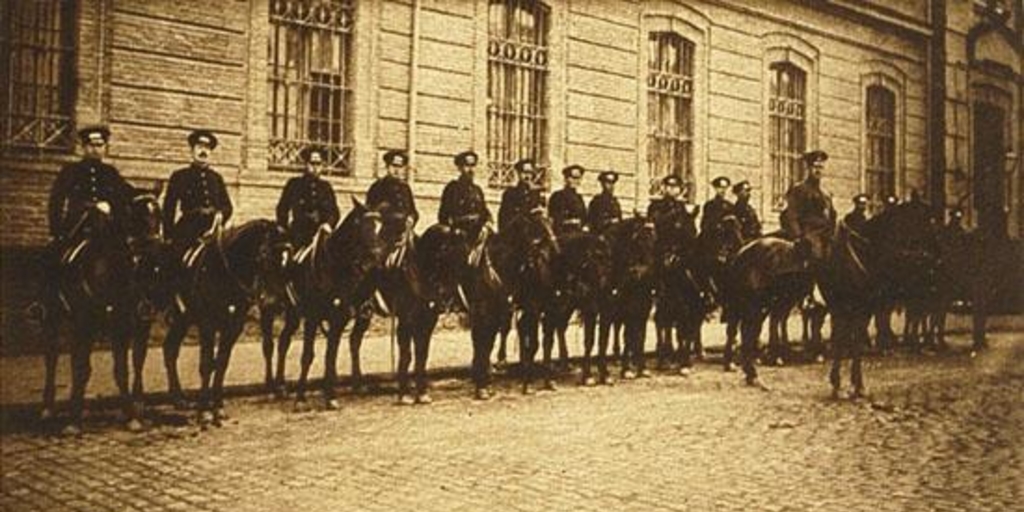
(787, 113)
(881, 147)
(37, 49)
(669, 108)
(517, 80)
(309, 61)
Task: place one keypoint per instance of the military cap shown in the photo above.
(740, 187)
(672, 181)
(466, 158)
(308, 151)
(526, 165)
(94, 133)
(860, 199)
(608, 177)
(202, 136)
(396, 157)
(574, 171)
(815, 156)
(720, 181)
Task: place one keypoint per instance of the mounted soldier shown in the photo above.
(750, 224)
(717, 207)
(521, 199)
(566, 207)
(604, 208)
(809, 217)
(308, 202)
(392, 197)
(669, 206)
(858, 218)
(463, 206)
(199, 193)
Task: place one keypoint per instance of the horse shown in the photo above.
(631, 294)
(683, 295)
(233, 268)
(325, 289)
(582, 273)
(420, 285)
(98, 296)
(716, 249)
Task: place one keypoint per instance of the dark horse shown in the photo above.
(582, 273)
(327, 288)
(98, 294)
(514, 268)
(684, 295)
(233, 269)
(421, 283)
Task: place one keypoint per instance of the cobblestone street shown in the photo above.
(939, 432)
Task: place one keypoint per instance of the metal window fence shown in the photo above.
(517, 80)
(787, 114)
(37, 49)
(881, 135)
(669, 109)
(309, 82)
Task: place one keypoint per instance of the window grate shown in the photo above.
(517, 75)
(881, 135)
(669, 109)
(37, 49)
(787, 114)
(309, 82)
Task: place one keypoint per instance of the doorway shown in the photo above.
(989, 174)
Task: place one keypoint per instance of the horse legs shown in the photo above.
(750, 327)
(404, 359)
(51, 347)
(308, 353)
(331, 361)
(119, 349)
(81, 370)
(140, 349)
(292, 319)
(172, 347)
(504, 329)
(483, 332)
(563, 348)
(855, 350)
(589, 326)
(207, 364)
(840, 336)
(228, 337)
(732, 327)
(267, 315)
(422, 340)
(527, 328)
(355, 343)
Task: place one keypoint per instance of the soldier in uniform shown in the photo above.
(308, 202)
(750, 224)
(391, 194)
(463, 206)
(669, 202)
(566, 207)
(522, 198)
(604, 207)
(857, 218)
(88, 183)
(809, 217)
(717, 207)
(199, 192)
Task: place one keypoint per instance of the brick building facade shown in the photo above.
(647, 88)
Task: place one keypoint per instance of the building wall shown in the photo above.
(155, 70)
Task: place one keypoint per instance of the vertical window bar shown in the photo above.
(787, 112)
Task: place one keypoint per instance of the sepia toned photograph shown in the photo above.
(511, 255)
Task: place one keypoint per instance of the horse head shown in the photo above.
(144, 214)
(722, 242)
(441, 253)
(535, 247)
(633, 248)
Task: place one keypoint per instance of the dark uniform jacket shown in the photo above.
(81, 185)
(306, 202)
(393, 197)
(516, 201)
(567, 211)
(461, 200)
(750, 224)
(603, 212)
(200, 193)
(714, 211)
(856, 221)
(808, 211)
(659, 212)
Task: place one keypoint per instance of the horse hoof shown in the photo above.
(219, 418)
(205, 418)
(589, 382)
(779, 362)
(46, 414)
(301, 405)
(278, 391)
(645, 374)
(549, 385)
(835, 394)
(332, 404)
(134, 425)
(731, 367)
(483, 394)
(528, 390)
(758, 384)
(405, 400)
(179, 404)
(606, 380)
(858, 394)
(424, 399)
(699, 355)
(71, 430)
(629, 375)
(684, 371)
(819, 359)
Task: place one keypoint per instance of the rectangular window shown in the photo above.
(787, 135)
(37, 50)
(881, 135)
(309, 82)
(669, 109)
(517, 78)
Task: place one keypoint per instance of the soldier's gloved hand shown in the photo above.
(409, 222)
(103, 207)
(326, 226)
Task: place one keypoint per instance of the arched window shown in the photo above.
(309, 75)
(787, 137)
(37, 81)
(517, 84)
(881, 138)
(669, 108)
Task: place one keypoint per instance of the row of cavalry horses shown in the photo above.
(523, 276)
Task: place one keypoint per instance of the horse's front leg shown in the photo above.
(292, 319)
(140, 349)
(267, 314)
(51, 353)
(119, 347)
(404, 360)
(589, 327)
(172, 349)
(422, 338)
(526, 329)
(355, 343)
(308, 353)
(207, 365)
(334, 331)
(483, 331)
(228, 338)
(81, 370)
